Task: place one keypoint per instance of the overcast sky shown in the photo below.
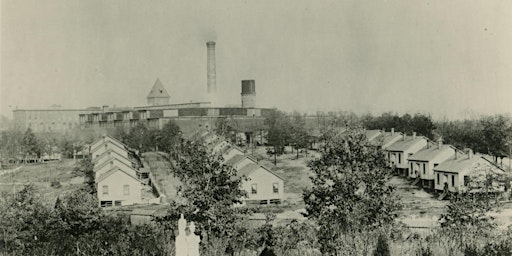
(445, 58)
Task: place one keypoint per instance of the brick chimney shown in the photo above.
(211, 73)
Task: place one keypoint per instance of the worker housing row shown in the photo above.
(434, 165)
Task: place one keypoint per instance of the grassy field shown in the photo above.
(41, 176)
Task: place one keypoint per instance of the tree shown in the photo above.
(86, 167)
(278, 132)
(24, 219)
(420, 123)
(423, 125)
(10, 143)
(466, 217)
(299, 136)
(138, 137)
(77, 214)
(30, 144)
(350, 190)
(170, 137)
(496, 131)
(225, 129)
(211, 190)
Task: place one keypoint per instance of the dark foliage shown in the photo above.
(420, 123)
(382, 246)
(349, 192)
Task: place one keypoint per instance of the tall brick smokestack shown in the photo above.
(211, 74)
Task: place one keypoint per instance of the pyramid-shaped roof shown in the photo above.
(158, 90)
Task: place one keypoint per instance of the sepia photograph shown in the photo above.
(256, 128)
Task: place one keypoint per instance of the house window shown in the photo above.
(117, 203)
(105, 190)
(399, 158)
(126, 190)
(466, 181)
(424, 168)
(275, 187)
(453, 180)
(438, 180)
(254, 189)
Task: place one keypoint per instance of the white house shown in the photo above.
(422, 163)
(106, 138)
(107, 155)
(263, 186)
(104, 167)
(105, 146)
(401, 150)
(231, 151)
(371, 135)
(384, 139)
(239, 161)
(464, 172)
(117, 187)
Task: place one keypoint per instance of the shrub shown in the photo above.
(382, 246)
(56, 184)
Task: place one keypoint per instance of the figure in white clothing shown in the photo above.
(181, 238)
(193, 241)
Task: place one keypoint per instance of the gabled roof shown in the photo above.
(250, 168)
(386, 138)
(158, 90)
(403, 145)
(227, 149)
(112, 171)
(108, 162)
(463, 163)
(235, 160)
(107, 138)
(106, 143)
(372, 134)
(106, 153)
(428, 154)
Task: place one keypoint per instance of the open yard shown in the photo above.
(295, 172)
(41, 176)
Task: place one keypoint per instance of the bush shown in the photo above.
(382, 246)
(56, 184)
(425, 251)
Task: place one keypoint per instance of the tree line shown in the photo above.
(490, 135)
(144, 139)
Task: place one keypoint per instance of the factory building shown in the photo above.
(55, 119)
(192, 116)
